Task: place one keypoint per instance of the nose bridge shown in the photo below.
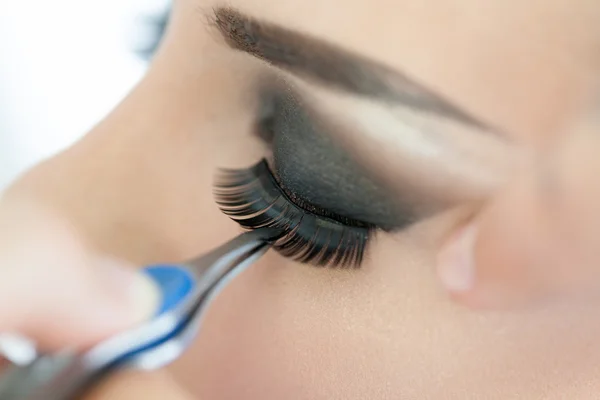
(139, 185)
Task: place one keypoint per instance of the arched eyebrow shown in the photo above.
(330, 65)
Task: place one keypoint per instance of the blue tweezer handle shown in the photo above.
(175, 283)
(186, 289)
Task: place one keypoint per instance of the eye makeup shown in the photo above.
(253, 198)
(311, 188)
(309, 162)
(345, 153)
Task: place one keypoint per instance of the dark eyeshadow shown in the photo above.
(317, 170)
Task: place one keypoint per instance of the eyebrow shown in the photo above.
(330, 65)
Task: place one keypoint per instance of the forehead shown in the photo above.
(523, 66)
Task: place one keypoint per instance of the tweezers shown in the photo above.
(187, 289)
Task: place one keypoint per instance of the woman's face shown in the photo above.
(437, 102)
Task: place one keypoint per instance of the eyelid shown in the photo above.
(253, 198)
(319, 211)
(428, 163)
(309, 162)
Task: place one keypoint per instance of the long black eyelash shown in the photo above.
(253, 198)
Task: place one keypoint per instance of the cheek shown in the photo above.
(285, 330)
(289, 331)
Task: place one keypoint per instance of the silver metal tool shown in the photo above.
(187, 290)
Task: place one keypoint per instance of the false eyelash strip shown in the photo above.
(253, 198)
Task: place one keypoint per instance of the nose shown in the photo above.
(139, 185)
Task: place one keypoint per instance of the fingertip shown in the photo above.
(135, 294)
(83, 302)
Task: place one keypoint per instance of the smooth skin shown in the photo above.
(493, 299)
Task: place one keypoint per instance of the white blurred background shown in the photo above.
(64, 64)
